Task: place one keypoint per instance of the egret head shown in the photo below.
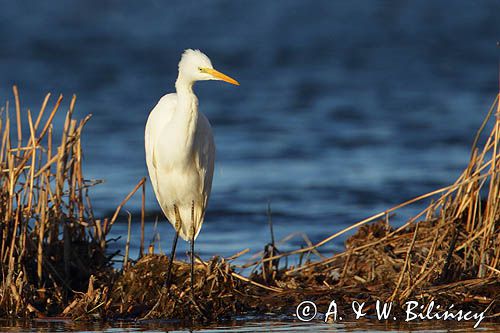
(196, 66)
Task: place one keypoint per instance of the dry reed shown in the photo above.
(50, 242)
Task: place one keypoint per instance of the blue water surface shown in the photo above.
(345, 108)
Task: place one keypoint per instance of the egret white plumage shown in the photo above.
(180, 152)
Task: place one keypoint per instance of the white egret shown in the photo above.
(180, 152)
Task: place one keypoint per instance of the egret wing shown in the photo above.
(158, 118)
(206, 158)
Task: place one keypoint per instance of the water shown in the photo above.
(241, 327)
(344, 109)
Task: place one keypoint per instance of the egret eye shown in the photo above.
(200, 69)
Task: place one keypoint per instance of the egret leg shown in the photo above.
(192, 248)
(192, 264)
(168, 282)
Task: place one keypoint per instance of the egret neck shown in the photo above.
(186, 113)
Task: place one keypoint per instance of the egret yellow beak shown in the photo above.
(220, 76)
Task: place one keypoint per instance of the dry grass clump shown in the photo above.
(50, 242)
(141, 288)
(138, 292)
